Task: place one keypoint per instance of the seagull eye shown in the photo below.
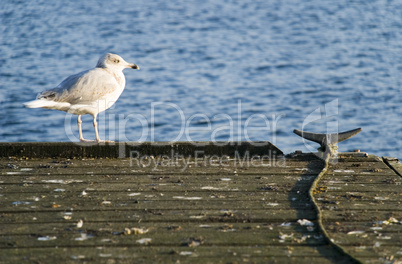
(116, 61)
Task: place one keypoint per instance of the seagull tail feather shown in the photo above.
(41, 103)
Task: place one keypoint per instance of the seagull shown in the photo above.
(88, 92)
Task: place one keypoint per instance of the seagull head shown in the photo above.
(114, 61)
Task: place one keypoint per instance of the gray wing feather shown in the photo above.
(83, 87)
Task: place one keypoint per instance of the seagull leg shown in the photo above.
(96, 129)
(80, 128)
(97, 134)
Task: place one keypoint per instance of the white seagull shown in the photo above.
(88, 92)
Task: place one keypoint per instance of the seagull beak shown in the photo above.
(134, 66)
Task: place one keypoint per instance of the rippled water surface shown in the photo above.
(211, 70)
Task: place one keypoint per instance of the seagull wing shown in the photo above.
(83, 88)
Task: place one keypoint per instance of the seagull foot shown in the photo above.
(105, 141)
(86, 140)
(96, 141)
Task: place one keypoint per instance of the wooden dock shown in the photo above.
(184, 203)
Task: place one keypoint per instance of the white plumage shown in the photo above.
(88, 92)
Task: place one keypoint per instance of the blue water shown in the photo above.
(211, 70)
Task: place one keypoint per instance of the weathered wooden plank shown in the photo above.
(159, 215)
(15, 202)
(267, 175)
(186, 187)
(394, 164)
(266, 229)
(118, 228)
(193, 216)
(123, 149)
(183, 254)
(176, 178)
(209, 163)
(95, 238)
(29, 199)
(133, 171)
(201, 254)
